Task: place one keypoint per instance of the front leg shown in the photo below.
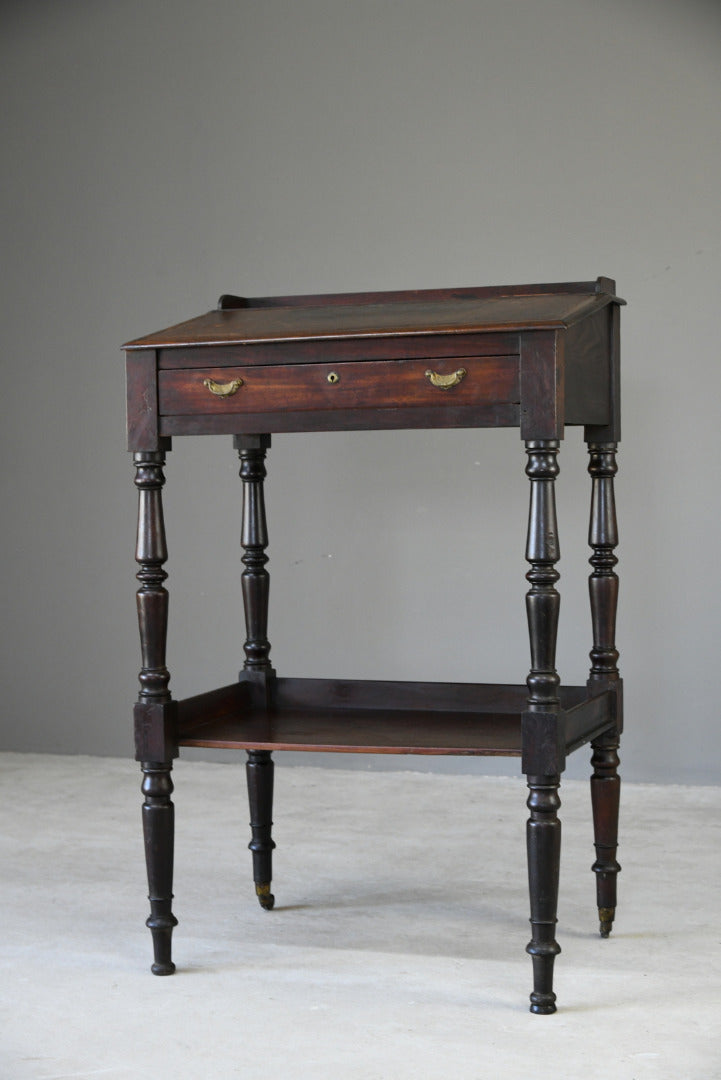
(155, 740)
(543, 749)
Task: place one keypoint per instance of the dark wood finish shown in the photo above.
(488, 414)
(603, 582)
(158, 832)
(543, 755)
(543, 840)
(610, 430)
(375, 318)
(259, 771)
(542, 386)
(603, 590)
(151, 553)
(474, 292)
(347, 716)
(542, 600)
(560, 335)
(605, 798)
(537, 357)
(155, 739)
(366, 385)
(328, 351)
(255, 582)
(142, 403)
(587, 720)
(587, 383)
(334, 396)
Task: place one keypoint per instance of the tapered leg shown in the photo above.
(259, 770)
(605, 796)
(603, 591)
(543, 758)
(543, 838)
(255, 583)
(154, 711)
(158, 831)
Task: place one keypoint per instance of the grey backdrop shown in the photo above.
(156, 154)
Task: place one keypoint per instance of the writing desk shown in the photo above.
(536, 357)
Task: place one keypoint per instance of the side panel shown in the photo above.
(588, 378)
(610, 431)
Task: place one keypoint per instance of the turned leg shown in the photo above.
(603, 590)
(543, 751)
(543, 838)
(154, 712)
(259, 771)
(605, 795)
(158, 831)
(255, 584)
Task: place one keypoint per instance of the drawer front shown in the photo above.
(449, 381)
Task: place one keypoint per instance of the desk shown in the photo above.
(536, 357)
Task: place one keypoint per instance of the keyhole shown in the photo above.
(333, 377)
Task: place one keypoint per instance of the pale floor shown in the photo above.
(396, 949)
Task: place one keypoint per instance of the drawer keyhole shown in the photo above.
(333, 378)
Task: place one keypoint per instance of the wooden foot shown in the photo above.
(158, 832)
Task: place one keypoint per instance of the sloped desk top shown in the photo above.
(536, 357)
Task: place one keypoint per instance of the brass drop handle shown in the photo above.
(226, 389)
(445, 382)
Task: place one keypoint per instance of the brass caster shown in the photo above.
(265, 896)
(606, 916)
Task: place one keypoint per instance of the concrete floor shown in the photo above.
(396, 949)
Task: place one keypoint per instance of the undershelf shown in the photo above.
(373, 717)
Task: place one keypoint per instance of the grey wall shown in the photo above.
(157, 154)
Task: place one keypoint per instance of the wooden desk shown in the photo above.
(535, 357)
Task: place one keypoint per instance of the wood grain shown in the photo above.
(295, 323)
(382, 384)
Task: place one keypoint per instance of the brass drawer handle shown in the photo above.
(226, 389)
(445, 382)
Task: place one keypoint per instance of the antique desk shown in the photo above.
(536, 357)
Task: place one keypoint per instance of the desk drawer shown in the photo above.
(389, 384)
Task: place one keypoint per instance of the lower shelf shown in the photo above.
(373, 717)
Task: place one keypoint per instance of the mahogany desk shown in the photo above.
(536, 357)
